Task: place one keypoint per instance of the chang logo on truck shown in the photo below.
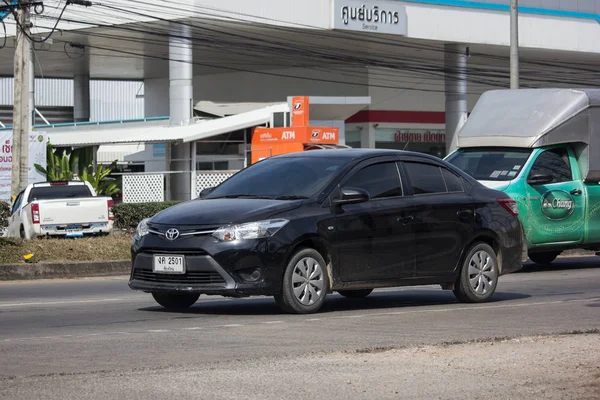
(557, 204)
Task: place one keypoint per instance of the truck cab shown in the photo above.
(542, 148)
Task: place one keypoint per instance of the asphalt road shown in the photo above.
(80, 327)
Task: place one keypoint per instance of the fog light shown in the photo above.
(251, 275)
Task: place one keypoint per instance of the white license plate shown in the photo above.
(165, 264)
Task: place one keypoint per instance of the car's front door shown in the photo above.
(444, 216)
(556, 206)
(375, 239)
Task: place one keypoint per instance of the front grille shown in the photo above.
(192, 253)
(212, 278)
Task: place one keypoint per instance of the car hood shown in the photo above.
(222, 211)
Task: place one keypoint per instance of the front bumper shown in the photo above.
(211, 267)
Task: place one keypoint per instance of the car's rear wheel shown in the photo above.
(305, 283)
(355, 294)
(176, 300)
(478, 276)
(544, 258)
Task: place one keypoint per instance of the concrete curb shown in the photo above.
(84, 269)
(89, 269)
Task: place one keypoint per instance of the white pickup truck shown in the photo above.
(69, 209)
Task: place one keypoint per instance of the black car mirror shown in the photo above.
(352, 196)
(540, 179)
(206, 192)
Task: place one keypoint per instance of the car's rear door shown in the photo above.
(444, 215)
(375, 239)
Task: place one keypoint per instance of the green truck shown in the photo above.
(542, 148)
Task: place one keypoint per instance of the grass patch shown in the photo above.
(106, 248)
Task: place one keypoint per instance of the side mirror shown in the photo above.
(540, 179)
(352, 196)
(206, 192)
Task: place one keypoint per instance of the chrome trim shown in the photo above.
(194, 233)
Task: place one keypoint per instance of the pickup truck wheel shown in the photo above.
(176, 300)
(544, 258)
(22, 232)
(355, 294)
(478, 276)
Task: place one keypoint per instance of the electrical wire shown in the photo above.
(305, 54)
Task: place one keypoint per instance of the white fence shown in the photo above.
(152, 187)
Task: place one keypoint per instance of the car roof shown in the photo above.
(355, 153)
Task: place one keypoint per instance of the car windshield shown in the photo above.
(486, 164)
(58, 192)
(286, 178)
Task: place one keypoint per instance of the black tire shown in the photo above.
(355, 294)
(463, 290)
(544, 258)
(287, 300)
(176, 300)
(22, 232)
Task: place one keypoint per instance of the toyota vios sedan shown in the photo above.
(303, 225)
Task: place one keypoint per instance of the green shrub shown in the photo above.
(129, 215)
(4, 214)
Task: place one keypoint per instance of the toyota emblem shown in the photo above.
(172, 234)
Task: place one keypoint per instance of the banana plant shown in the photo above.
(60, 165)
(101, 186)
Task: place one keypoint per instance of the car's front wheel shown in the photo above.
(478, 276)
(544, 258)
(176, 300)
(305, 283)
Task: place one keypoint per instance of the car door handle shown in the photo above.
(405, 220)
(576, 192)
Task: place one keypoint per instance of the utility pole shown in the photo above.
(21, 116)
(514, 44)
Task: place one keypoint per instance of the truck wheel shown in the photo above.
(355, 294)
(478, 276)
(305, 283)
(176, 300)
(544, 258)
(22, 232)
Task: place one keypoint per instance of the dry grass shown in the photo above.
(106, 248)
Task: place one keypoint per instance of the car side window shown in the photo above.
(425, 178)
(380, 180)
(553, 162)
(454, 183)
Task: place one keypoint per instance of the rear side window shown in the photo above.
(380, 180)
(58, 192)
(453, 182)
(425, 178)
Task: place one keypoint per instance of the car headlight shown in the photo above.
(142, 228)
(250, 230)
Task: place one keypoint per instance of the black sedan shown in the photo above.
(303, 225)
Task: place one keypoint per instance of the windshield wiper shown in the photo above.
(291, 197)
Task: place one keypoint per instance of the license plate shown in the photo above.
(165, 264)
(74, 232)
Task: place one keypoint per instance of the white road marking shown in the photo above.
(439, 310)
(51, 303)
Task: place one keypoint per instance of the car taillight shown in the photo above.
(111, 216)
(510, 205)
(35, 213)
